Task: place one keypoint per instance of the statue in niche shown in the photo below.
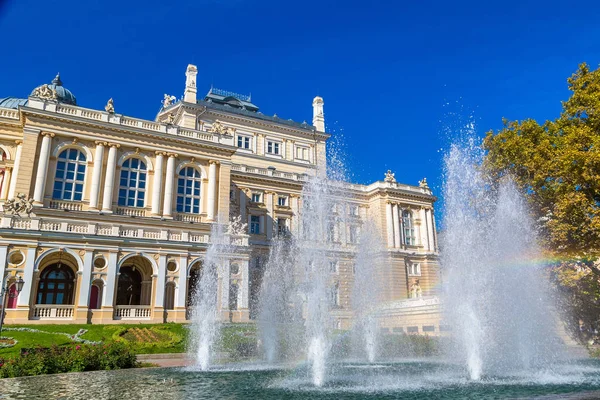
(390, 177)
(423, 183)
(168, 100)
(236, 227)
(170, 118)
(45, 92)
(415, 290)
(110, 106)
(19, 205)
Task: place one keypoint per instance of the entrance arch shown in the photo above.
(134, 287)
(56, 285)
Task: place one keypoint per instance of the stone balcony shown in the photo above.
(110, 230)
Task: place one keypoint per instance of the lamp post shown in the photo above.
(3, 291)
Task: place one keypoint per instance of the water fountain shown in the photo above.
(206, 324)
(369, 267)
(495, 296)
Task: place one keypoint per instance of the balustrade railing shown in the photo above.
(133, 312)
(49, 311)
(65, 205)
(131, 211)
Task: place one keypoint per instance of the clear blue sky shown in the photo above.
(391, 72)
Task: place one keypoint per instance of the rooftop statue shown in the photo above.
(390, 177)
(45, 92)
(423, 183)
(110, 106)
(168, 100)
(217, 127)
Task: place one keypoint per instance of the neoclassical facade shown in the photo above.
(107, 218)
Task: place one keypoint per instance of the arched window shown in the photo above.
(409, 228)
(70, 175)
(132, 186)
(56, 285)
(129, 288)
(188, 190)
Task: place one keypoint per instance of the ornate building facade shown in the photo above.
(107, 218)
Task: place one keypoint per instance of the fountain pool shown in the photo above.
(414, 379)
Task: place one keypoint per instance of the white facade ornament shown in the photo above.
(423, 183)
(390, 177)
(110, 106)
(168, 100)
(217, 127)
(45, 92)
(415, 290)
(170, 118)
(236, 227)
(19, 205)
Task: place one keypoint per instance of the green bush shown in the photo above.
(54, 360)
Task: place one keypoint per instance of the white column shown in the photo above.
(15, 172)
(203, 184)
(212, 190)
(159, 298)
(42, 169)
(96, 175)
(436, 245)
(423, 229)
(396, 221)
(109, 180)
(243, 204)
(28, 274)
(86, 278)
(157, 183)
(181, 292)
(429, 220)
(6, 182)
(108, 294)
(269, 222)
(295, 217)
(225, 286)
(244, 288)
(169, 180)
(390, 224)
(3, 254)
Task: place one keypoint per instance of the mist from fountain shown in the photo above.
(367, 289)
(206, 323)
(496, 298)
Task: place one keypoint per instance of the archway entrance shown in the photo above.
(134, 289)
(55, 289)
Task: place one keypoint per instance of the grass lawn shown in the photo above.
(144, 338)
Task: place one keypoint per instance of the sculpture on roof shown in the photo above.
(45, 92)
(168, 100)
(170, 118)
(390, 177)
(18, 205)
(423, 183)
(110, 106)
(217, 127)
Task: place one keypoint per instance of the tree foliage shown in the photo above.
(557, 166)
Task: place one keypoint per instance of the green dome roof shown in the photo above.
(63, 94)
(12, 102)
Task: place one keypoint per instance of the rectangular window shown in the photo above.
(282, 201)
(282, 227)
(333, 267)
(254, 224)
(412, 329)
(414, 269)
(353, 234)
(302, 153)
(256, 197)
(273, 148)
(428, 328)
(244, 142)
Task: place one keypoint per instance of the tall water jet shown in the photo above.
(206, 324)
(279, 317)
(496, 298)
(367, 288)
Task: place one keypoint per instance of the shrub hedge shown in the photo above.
(78, 358)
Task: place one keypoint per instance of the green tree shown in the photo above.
(557, 166)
